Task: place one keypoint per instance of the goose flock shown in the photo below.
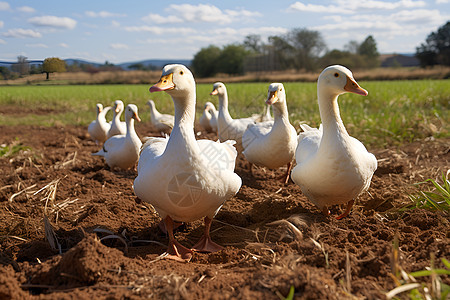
(186, 179)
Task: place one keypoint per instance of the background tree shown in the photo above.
(253, 43)
(22, 67)
(368, 50)
(436, 49)
(204, 61)
(231, 59)
(308, 45)
(53, 64)
(300, 48)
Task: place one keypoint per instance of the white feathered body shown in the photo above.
(332, 171)
(186, 180)
(98, 129)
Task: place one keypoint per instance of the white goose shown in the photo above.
(185, 179)
(98, 129)
(122, 151)
(117, 127)
(229, 128)
(162, 122)
(272, 144)
(214, 116)
(205, 119)
(333, 167)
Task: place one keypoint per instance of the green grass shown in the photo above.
(435, 197)
(394, 112)
(12, 149)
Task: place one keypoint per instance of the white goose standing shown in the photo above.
(333, 167)
(229, 128)
(185, 179)
(205, 119)
(162, 122)
(122, 150)
(98, 129)
(214, 116)
(272, 144)
(117, 127)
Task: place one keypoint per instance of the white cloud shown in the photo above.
(158, 19)
(299, 6)
(4, 6)
(40, 45)
(351, 6)
(160, 30)
(52, 21)
(442, 1)
(26, 9)
(64, 45)
(1, 24)
(200, 13)
(2, 42)
(115, 24)
(22, 33)
(103, 14)
(118, 46)
(379, 5)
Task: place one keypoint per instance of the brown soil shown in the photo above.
(84, 201)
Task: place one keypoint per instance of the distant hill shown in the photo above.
(158, 63)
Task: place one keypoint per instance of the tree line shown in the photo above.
(303, 49)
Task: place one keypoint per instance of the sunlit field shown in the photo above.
(394, 111)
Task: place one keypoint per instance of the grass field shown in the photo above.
(394, 111)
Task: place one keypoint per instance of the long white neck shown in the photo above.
(329, 113)
(280, 113)
(223, 106)
(117, 116)
(184, 122)
(153, 112)
(101, 117)
(130, 127)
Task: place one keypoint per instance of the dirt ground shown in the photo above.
(104, 243)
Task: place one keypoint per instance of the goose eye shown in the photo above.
(336, 74)
(181, 73)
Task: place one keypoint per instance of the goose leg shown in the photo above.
(162, 226)
(205, 244)
(175, 250)
(285, 177)
(347, 210)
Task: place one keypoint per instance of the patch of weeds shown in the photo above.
(437, 198)
(12, 149)
(434, 288)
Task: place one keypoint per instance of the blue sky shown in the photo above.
(133, 30)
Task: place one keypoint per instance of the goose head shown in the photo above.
(118, 106)
(176, 80)
(99, 108)
(218, 89)
(276, 94)
(131, 112)
(209, 106)
(337, 80)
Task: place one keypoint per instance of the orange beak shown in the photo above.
(165, 83)
(214, 92)
(136, 117)
(273, 97)
(353, 87)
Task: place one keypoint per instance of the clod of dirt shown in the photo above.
(82, 265)
(9, 284)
